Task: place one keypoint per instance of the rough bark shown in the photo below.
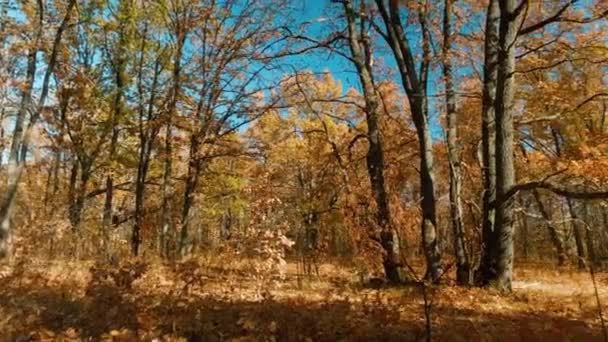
(488, 138)
(505, 168)
(361, 54)
(463, 265)
(415, 84)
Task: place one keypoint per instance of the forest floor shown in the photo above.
(202, 301)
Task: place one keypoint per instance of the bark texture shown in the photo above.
(510, 15)
(488, 138)
(463, 265)
(361, 53)
(415, 83)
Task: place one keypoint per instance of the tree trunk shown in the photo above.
(554, 233)
(55, 181)
(558, 242)
(146, 139)
(463, 265)
(2, 134)
(589, 235)
(415, 85)
(523, 223)
(167, 188)
(194, 170)
(360, 49)
(51, 180)
(72, 186)
(579, 233)
(488, 139)
(20, 136)
(116, 113)
(167, 192)
(76, 207)
(505, 168)
(140, 195)
(15, 163)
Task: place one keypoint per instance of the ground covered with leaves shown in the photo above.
(200, 300)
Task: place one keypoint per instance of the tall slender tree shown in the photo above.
(463, 263)
(415, 83)
(21, 136)
(360, 48)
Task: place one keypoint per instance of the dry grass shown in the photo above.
(209, 300)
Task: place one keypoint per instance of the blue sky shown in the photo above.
(322, 17)
(320, 14)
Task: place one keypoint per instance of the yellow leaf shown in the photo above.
(273, 327)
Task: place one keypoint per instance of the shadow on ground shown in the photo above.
(37, 311)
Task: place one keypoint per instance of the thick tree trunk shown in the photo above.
(463, 265)
(361, 53)
(488, 149)
(505, 167)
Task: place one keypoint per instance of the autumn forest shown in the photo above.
(299, 170)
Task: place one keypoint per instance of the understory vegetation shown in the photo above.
(207, 299)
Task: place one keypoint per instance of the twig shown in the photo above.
(599, 303)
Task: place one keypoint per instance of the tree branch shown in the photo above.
(560, 190)
(554, 18)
